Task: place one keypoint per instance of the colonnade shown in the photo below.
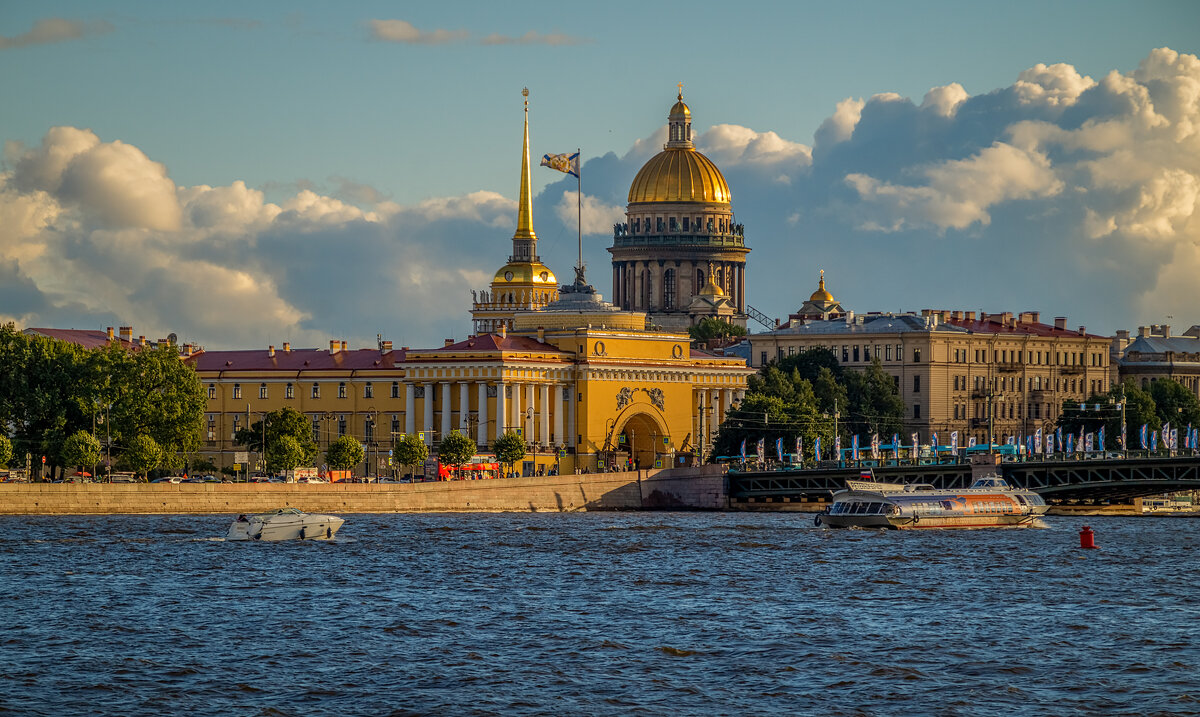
(544, 412)
(630, 283)
(712, 405)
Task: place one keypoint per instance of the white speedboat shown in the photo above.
(284, 524)
(989, 503)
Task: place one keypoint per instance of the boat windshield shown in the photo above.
(990, 482)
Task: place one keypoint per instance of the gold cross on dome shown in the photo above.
(681, 90)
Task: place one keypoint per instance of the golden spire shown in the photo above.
(525, 203)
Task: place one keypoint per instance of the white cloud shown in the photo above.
(944, 100)
(403, 31)
(55, 29)
(533, 37)
(839, 126)
(597, 217)
(1057, 84)
(730, 145)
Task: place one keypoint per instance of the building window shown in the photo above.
(845, 354)
(674, 224)
(290, 391)
(699, 280)
(669, 289)
(866, 352)
(395, 425)
(396, 389)
(212, 427)
(916, 384)
(262, 390)
(237, 390)
(316, 392)
(212, 391)
(342, 389)
(791, 350)
(856, 353)
(685, 224)
(916, 410)
(888, 352)
(368, 391)
(368, 430)
(916, 355)
(341, 425)
(762, 361)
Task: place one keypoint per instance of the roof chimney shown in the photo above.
(345, 345)
(385, 347)
(1166, 331)
(1141, 331)
(448, 342)
(969, 315)
(110, 333)
(334, 345)
(287, 347)
(542, 334)
(187, 349)
(127, 333)
(271, 351)
(142, 340)
(503, 331)
(1060, 322)
(1082, 330)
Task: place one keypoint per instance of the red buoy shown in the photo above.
(1087, 539)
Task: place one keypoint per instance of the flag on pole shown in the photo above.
(1088, 444)
(916, 449)
(799, 449)
(1142, 435)
(954, 441)
(970, 441)
(1037, 440)
(566, 163)
(875, 446)
(1124, 433)
(1049, 443)
(778, 447)
(760, 449)
(933, 440)
(854, 447)
(1100, 439)
(743, 447)
(1154, 440)
(1059, 439)
(817, 448)
(1174, 439)
(837, 447)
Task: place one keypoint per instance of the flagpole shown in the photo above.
(579, 204)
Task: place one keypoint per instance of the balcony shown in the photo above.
(1010, 367)
(979, 393)
(979, 423)
(666, 239)
(1072, 370)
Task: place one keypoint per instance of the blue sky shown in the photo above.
(376, 144)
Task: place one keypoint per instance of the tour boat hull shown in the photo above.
(989, 503)
(284, 524)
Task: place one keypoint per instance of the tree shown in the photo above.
(709, 328)
(6, 451)
(874, 405)
(81, 450)
(344, 453)
(456, 449)
(1140, 408)
(142, 454)
(411, 451)
(776, 407)
(284, 423)
(203, 465)
(509, 448)
(809, 363)
(1175, 404)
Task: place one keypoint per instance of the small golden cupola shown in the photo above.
(821, 294)
(524, 283)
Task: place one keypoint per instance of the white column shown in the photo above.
(572, 434)
(410, 408)
(701, 427)
(517, 419)
(464, 408)
(501, 409)
(726, 402)
(714, 396)
(482, 438)
(558, 436)
(427, 424)
(445, 427)
(544, 408)
(530, 402)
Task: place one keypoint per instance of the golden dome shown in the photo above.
(821, 294)
(679, 175)
(680, 109)
(711, 288)
(524, 272)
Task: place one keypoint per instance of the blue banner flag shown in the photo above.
(1142, 435)
(778, 441)
(743, 442)
(1100, 439)
(817, 448)
(566, 163)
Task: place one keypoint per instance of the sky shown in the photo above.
(244, 174)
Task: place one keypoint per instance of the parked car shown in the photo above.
(168, 479)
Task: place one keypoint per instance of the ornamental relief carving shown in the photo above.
(625, 397)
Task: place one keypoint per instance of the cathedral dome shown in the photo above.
(525, 273)
(821, 294)
(679, 175)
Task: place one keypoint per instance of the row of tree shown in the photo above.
(1162, 401)
(76, 406)
(811, 395)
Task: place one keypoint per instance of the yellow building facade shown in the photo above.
(587, 385)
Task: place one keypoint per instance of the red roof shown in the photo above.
(492, 342)
(87, 338)
(296, 360)
(1029, 328)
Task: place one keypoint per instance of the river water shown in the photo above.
(598, 613)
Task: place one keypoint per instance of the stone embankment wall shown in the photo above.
(675, 489)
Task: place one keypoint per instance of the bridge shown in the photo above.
(1109, 479)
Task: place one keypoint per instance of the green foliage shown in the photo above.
(509, 448)
(142, 454)
(6, 451)
(411, 451)
(798, 396)
(456, 449)
(1175, 404)
(284, 423)
(286, 454)
(710, 328)
(203, 465)
(51, 389)
(81, 449)
(230, 471)
(344, 453)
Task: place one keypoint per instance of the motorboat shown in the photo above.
(284, 524)
(990, 502)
